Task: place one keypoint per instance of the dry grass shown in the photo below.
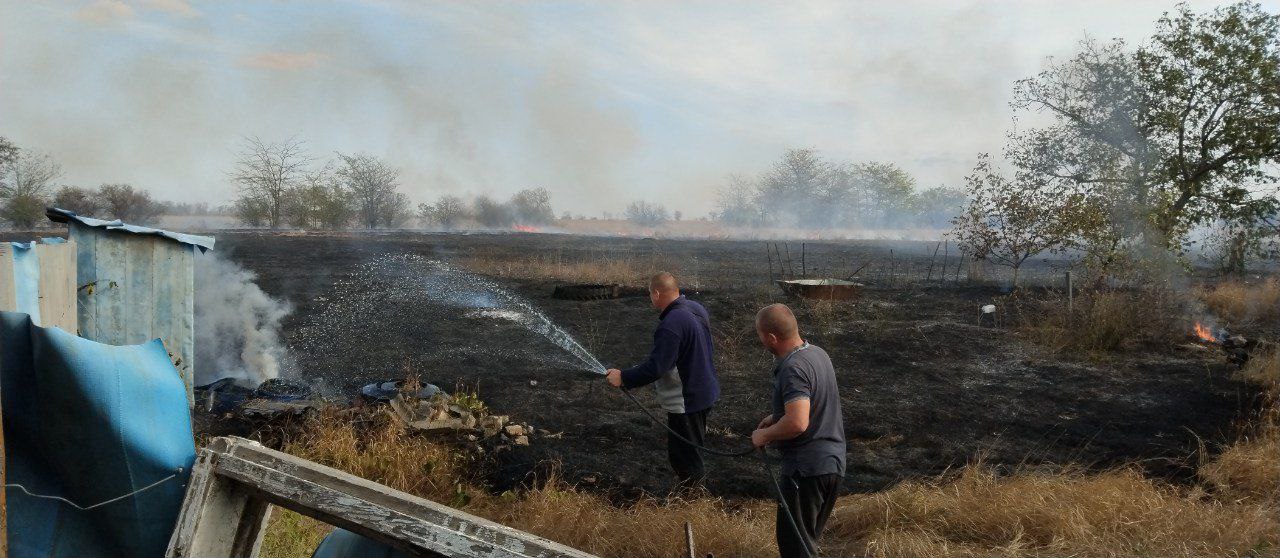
(974, 512)
(1240, 303)
(622, 270)
(1106, 320)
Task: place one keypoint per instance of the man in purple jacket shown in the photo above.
(682, 372)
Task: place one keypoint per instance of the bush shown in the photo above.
(1241, 303)
(1107, 320)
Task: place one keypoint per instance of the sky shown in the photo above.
(601, 103)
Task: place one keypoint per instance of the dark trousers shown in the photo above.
(810, 500)
(685, 459)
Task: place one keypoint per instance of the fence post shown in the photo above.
(1070, 299)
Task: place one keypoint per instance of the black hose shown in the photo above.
(782, 499)
(633, 399)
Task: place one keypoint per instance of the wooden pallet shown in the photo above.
(235, 481)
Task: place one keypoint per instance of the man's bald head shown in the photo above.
(664, 283)
(778, 320)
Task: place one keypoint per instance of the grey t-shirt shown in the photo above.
(807, 373)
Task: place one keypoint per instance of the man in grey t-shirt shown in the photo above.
(806, 425)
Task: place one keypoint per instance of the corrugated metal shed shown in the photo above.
(136, 284)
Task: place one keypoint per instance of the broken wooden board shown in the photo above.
(225, 509)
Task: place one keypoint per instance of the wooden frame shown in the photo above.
(235, 480)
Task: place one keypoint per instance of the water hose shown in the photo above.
(782, 500)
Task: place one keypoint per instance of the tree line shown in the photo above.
(29, 182)
(806, 191)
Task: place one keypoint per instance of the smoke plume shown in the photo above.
(237, 326)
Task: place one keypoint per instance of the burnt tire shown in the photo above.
(586, 292)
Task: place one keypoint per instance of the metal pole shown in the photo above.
(1070, 298)
(688, 539)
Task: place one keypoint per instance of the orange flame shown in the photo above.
(525, 228)
(1205, 333)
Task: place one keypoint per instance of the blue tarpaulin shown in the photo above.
(342, 543)
(26, 278)
(90, 422)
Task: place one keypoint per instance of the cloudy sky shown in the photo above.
(600, 102)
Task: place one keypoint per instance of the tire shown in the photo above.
(586, 292)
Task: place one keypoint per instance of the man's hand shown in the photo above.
(758, 438)
(765, 422)
(614, 376)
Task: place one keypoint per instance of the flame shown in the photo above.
(525, 228)
(1205, 333)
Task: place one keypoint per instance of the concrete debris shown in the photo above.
(440, 416)
(522, 440)
(514, 430)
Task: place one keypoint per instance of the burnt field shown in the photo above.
(925, 386)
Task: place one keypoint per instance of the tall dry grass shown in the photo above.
(1102, 321)
(1240, 303)
(974, 512)
(622, 271)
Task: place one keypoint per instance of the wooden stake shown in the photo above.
(688, 539)
(804, 270)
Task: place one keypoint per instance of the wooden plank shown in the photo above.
(58, 285)
(8, 289)
(219, 516)
(413, 524)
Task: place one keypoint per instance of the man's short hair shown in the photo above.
(779, 320)
(664, 282)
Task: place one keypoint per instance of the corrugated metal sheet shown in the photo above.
(67, 216)
(137, 287)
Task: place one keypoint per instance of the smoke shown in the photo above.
(237, 326)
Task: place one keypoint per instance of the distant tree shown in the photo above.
(646, 214)
(320, 201)
(83, 201)
(373, 186)
(735, 202)
(936, 206)
(8, 152)
(252, 211)
(532, 206)
(126, 203)
(491, 213)
(448, 212)
(791, 193)
(1009, 221)
(676, 215)
(265, 173)
(25, 182)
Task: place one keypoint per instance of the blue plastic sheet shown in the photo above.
(342, 543)
(90, 422)
(26, 278)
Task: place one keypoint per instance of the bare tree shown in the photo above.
(124, 202)
(646, 214)
(24, 188)
(83, 201)
(265, 172)
(372, 184)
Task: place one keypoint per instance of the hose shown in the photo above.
(782, 500)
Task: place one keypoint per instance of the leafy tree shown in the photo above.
(1009, 221)
(265, 173)
(83, 201)
(124, 202)
(8, 152)
(447, 212)
(532, 206)
(320, 201)
(373, 186)
(646, 214)
(790, 194)
(735, 203)
(1178, 133)
(25, 182)
(252, 211)
(491, 213)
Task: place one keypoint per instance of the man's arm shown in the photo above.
(794, 421)
(666, 348)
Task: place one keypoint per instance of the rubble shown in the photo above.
(440, 416)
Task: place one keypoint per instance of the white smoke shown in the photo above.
(237, 326)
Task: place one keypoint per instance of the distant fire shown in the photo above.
(526, 228)
(1205, 334)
